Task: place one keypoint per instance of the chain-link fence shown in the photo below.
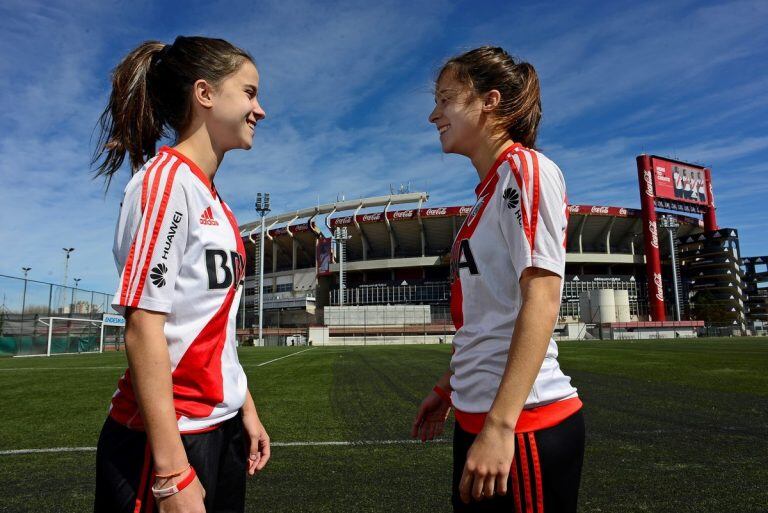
(28, 305)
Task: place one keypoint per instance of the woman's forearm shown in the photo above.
(150, 365)
(533, 330)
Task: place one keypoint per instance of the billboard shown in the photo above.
(677, 181)
(324, 256)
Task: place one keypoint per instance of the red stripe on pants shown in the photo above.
(526, 473)
(537, 473)
(144, 479)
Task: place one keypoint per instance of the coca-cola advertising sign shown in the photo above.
(654, 234)
(403, 214)
(431, 212)
(599, 210)
(659, 288)
(648, 179)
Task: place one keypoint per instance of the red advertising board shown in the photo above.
(678, 181)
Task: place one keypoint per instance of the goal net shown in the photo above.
(67, 335)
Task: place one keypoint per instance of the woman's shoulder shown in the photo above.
(530, 163)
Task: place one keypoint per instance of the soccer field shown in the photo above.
(672, 426)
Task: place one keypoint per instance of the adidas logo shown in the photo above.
(158, 274)
(512, 197)
(207, 218)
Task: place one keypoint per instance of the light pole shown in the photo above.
(262, 207)
(24, 298)
(341, 235)
(72, 300)
(671, 224)
(66, 268)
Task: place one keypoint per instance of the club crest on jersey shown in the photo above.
(158, 274)
(206, 219)
(475, 210)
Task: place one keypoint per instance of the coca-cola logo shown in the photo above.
(648, 182)
(654, 234)
(342, 220)
(599, 210)
(371, 217)
(573, 209)
(622, 211)
(437, 211)
(403, 214)
(463, 211)
(711, 196)
(659, 289)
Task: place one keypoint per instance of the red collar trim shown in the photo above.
(501, 158)
(193, 167)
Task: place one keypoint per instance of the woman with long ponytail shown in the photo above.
(182, 431)
(519, 435)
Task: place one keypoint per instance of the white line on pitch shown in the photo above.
(345, 443)
(286, 356)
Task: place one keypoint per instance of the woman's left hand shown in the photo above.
(257, 441)
(489, 461)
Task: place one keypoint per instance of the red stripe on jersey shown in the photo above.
(235, 229)
(465, 232)
(128, 272)
(536, 473)
(521, 184)
(155, 232)
(198, 385)
(535, 202)
(521, 450)
(457, 304)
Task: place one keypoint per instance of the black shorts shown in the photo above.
(124, 465)
(545, 473)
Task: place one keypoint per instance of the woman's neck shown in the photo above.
(487, 153)
(196, 145)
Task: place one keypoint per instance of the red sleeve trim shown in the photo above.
(531, 419)
(128, 273)
(155, 232)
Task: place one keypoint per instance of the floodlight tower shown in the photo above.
(262, 207)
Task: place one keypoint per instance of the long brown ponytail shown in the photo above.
(151, 90)
(487, 68)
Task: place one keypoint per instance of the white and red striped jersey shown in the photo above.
(518, 221)
(178, 251)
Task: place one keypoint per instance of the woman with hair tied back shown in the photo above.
(519, 434)
(182, 431)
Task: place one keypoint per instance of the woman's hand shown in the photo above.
(489, 461)
(431, 417)
(257, 441)
(189, 500)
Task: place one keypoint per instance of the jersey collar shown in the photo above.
(502, 157)
(193, 167)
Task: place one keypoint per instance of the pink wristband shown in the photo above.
(444, 395)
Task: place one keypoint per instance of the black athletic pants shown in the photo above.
(124, 468)
(545, 473)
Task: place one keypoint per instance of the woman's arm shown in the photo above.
(433, 411)
(150, 365)
(490, 457)
(258, 439)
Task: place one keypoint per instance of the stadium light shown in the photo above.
(262, 207)
(66, 271)
(72, 300)
(672, 224)
(341, 235)
(23, 302)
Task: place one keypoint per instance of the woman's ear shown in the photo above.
(202, 93)
(491, 100)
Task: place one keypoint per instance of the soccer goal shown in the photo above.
(68, 335)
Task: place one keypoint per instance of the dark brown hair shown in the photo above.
(490, 67)
(151, 90)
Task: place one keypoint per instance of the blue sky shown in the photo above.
(347, 90)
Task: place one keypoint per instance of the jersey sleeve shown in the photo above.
(150, 240)
(534, 213)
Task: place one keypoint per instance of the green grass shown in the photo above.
(672, 426)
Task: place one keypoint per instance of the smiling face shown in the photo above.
(235, 109)
(458, 116)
